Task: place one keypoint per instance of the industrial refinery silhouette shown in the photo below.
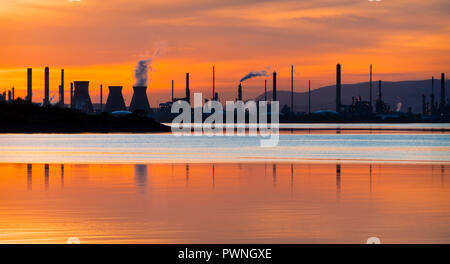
(434, 109)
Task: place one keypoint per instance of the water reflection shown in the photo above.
(30, 176)
(140, 176)
(47, 175)
(225, 203)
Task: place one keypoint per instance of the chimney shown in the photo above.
(433, 109)
(442, 91)
(309, 97)
(338, 88)
(240, 92)
(274, 95)
(292, 88)
(265, 90)
(13, 97)
(29, 85)
(172, 91)
(188, 92)
(101, 97)
(379, 90)
(71, 95)
(424, 106)
(214, 80)
(46, 98)
(370, 90)
(61, 89)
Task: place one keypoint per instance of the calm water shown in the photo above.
(315, 187)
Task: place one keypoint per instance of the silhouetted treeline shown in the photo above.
(23, 117)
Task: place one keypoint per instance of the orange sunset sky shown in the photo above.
(101, 41)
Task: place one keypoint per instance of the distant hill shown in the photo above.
(404, 93)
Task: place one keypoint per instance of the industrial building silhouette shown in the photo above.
(139, 101)
(81, 99)
(115, 101)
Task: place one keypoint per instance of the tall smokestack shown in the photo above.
(370, 90)
(101, 97)
(433, 108)
(292, 88)
(338, 88)
(172, 91)
(240, 92)
(47, 75)
(265, 90)
(442, 91)
(71, 95)
(274, 96)
(61, 89)
(424, 105)
(214, 80)
(309, 97)
(188, 91)
(29, 85)
(13, 96)
(379, 90)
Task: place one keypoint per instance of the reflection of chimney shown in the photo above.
(442, 91)
(240, 92)
(274, 95)
(338, 178)
(61, 89)
(46, 98)
(29, 176)
(29, 85)
(338, 88)
(188, 92)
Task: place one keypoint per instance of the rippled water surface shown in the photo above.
(326, 186)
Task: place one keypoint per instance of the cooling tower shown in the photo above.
(81, 99)
(139, 100)
(115, 100)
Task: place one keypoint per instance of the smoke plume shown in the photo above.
(254, 74)
(142, 68)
